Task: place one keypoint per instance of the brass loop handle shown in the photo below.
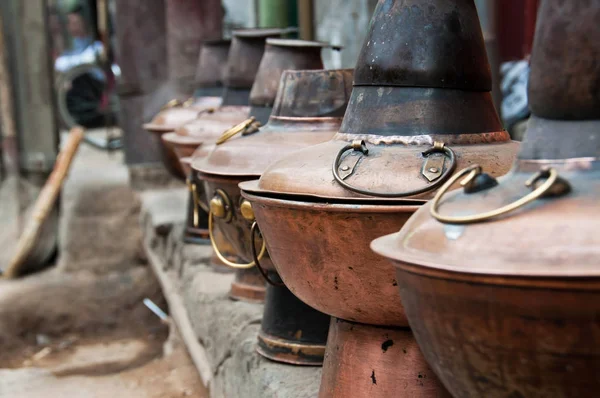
(360, 146)
(237, 129)
(175, 103)
(225, 261)
(545, 189)
(207, 110)
(196, 202)
(263, 272)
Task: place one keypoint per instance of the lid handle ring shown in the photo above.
(255, 256)
(360, 146)
(553, 186)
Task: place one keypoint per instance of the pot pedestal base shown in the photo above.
(249, 285)
(375, 362)
(291, 331)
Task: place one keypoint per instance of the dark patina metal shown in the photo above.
(244, 54)
(503, 300)
(210, 73)
(422, 110)
(291, 332)
(308, 110)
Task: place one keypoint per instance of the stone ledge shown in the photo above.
(223, 344)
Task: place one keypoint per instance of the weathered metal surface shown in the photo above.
(321, 252)
(281, 55)
(213, 56)
(367, 361)
(247, 49)
(291, 332)
(508, 308)
(434, 43)
(317, 231)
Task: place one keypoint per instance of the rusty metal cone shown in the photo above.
(501, 280)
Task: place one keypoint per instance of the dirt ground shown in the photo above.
(84, 335)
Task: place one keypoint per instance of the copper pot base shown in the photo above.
(290, 352)
(376, 362)
(248, 286)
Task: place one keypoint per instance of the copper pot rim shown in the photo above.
(175, 140)
(158, 128)
(279, 42)
(261, 32)
(224, 179)
(432, 269)
(252, 189)
(187, 160)
(304, 120)
(295, 202)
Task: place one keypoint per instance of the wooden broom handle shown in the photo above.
(44, 203)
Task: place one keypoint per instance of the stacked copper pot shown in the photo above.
(178, 123)
(500, 280)
(279, 55)
(420, 107)
(309, 109)
(207, 97)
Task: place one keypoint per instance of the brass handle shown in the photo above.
(359, 145)
(196, 202)
(175, 103)
(553, 186)
(239, 128)
(225, 261)
(256, 258)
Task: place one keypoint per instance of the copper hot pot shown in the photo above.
(421, 106)
(500, 280)
(247, 48)
(279, 55)
(209, 87)
(308, 110)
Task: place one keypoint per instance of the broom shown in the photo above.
(44, 204)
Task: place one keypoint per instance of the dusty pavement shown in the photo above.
(80, 329)
(81, 335)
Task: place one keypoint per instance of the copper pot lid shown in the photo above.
(202, 130)
(309, 109)
(421, 107)
(540, 220)
(176, 113)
